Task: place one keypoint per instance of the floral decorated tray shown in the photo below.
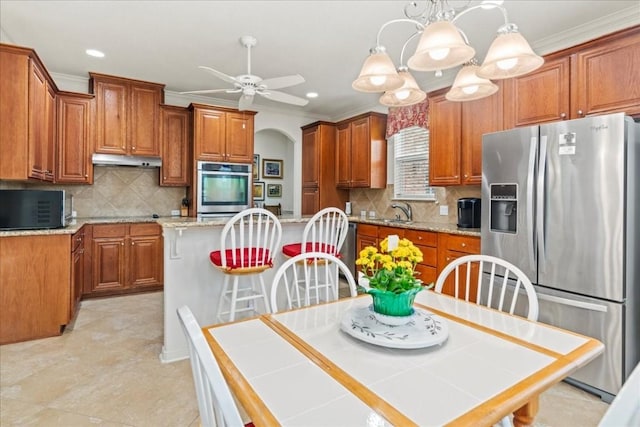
(423, 329)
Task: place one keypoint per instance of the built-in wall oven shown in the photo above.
(223, 189)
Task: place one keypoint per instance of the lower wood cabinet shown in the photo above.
(450, 247)
(78, 270)
(125, 258)
(35, 286)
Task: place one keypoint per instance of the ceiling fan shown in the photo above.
(249, 84)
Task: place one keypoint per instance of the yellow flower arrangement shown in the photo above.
(391, 270)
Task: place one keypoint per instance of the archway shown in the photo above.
(274, 145)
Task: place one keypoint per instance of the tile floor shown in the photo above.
(105, 370)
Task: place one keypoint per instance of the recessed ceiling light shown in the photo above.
(312, 95)
(95, 53)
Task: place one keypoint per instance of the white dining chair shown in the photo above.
(490, 287)
(326, 231)
(248, 244)
(310, 271)
(215, 402)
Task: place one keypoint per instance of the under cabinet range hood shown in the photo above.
(123, 160)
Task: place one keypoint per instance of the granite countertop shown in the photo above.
(183, 222)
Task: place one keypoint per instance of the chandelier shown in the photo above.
(441, 46)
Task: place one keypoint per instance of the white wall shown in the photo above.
(273, 144)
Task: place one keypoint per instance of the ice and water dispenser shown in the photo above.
(504, 206)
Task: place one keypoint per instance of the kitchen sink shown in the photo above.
(396, 221)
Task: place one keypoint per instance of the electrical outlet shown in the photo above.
(444, 210)
(175, 212)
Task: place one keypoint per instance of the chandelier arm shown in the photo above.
(419, 24)
(417, 33)
(481, 6)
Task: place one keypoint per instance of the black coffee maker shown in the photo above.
(469, 212)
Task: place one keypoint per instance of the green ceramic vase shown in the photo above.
(393, 304)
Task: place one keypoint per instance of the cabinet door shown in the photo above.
(74, 139)
(209, 135)
(143, 124)
(478, 117)
(239, 138)
(77, 276)
(606, 78)
(310, 158)
(111, 117)
(360, 153)
(145, 261)
(444, 141)
(538, 97)
(362, 241)
(37, 122)
(310, 200)
(343, 155)
(174, 130)
(108, 263)
(49, 143)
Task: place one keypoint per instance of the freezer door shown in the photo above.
(508, 195)
(581, 210)
(602, 320)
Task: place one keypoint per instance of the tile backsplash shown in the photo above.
(117, 191)
(380, 202)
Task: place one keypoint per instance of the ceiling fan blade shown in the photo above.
(284, 81)
(245, 102)
(219, 74)
(284, 97)
(210, 91)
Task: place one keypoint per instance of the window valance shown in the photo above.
(400, 118)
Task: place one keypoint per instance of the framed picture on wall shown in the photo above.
(258, 191)
(274, 190)
(271, 168)
(256, 167)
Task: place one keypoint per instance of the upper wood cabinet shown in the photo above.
(127, 115)
(27, 116)
(175, 130)
(318, 169)
(74, 138)
(222, 135)
(591, 78)
(455, 137)
(361, 156)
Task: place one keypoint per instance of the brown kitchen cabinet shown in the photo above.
(35, 286)
(366, 235)
(427, 242)
(78, 271)
(453, 246)
(175, 131)
(222, 134)
(361, 156)
(455, 137)
(588, 79)
(27, 116)
(125, 258)
(74, 136)
(318, 169)
(127, 115)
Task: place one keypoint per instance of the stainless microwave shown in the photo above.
(223, 189)
(32, 209)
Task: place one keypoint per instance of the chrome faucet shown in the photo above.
(406, 209)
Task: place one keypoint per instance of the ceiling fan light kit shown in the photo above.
(442, 45)
(249, 85)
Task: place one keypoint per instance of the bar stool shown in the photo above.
(248, 244)
(325, 232)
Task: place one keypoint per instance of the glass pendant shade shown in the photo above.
(378, 74)
(441, 46)
(408, 94)
(509, 56)
(468, 86)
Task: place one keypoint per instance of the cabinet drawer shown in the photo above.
(423, 238)
(150, 229)
(429, 255)
(427, 274)
(368, 230)
(388, 231)
(109, 230)
(467, 244)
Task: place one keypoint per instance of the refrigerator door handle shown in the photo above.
(540, 202)
(573, 303)
(530, 185)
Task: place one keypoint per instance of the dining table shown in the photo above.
(450, 362)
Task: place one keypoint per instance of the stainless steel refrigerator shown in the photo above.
(561, 202)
